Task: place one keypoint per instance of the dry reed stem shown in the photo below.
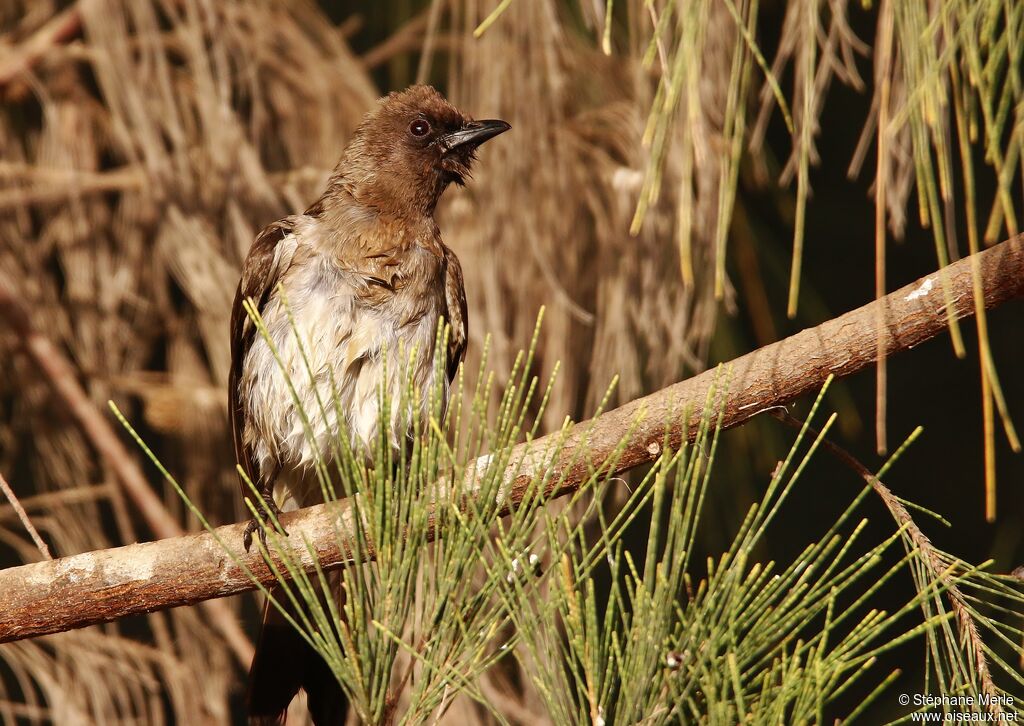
(44, 550)
(59, 29)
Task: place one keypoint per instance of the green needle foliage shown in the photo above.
(742, 641)
(459, 575)
(456, 577)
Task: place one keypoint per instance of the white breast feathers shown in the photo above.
(322, 374)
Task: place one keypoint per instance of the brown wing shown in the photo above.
(260, 273)
(458, 314)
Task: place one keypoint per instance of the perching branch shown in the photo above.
(50, 597)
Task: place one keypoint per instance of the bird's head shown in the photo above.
(409, 149)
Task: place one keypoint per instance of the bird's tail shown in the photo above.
(285, 663)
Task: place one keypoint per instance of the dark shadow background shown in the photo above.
(927, 386)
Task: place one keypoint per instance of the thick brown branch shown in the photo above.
(49, 597)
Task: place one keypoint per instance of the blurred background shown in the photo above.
(666, 159)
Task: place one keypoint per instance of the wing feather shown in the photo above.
(261, 271)
(458, 313)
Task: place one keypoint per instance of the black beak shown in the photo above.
(473, 134)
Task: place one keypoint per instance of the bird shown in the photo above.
(361, 272)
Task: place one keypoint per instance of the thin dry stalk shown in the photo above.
(25, 521)
(58, 29)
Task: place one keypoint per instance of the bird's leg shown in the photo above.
(268, 512)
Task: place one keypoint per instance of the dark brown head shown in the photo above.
(409, 149)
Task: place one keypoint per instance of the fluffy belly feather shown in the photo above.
(330, 360)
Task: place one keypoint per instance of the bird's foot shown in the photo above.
(260, 525)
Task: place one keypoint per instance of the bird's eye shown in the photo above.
(419, 127)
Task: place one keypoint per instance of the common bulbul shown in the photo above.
(365, 277)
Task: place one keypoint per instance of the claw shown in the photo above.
(260, 526)
(252, 526)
